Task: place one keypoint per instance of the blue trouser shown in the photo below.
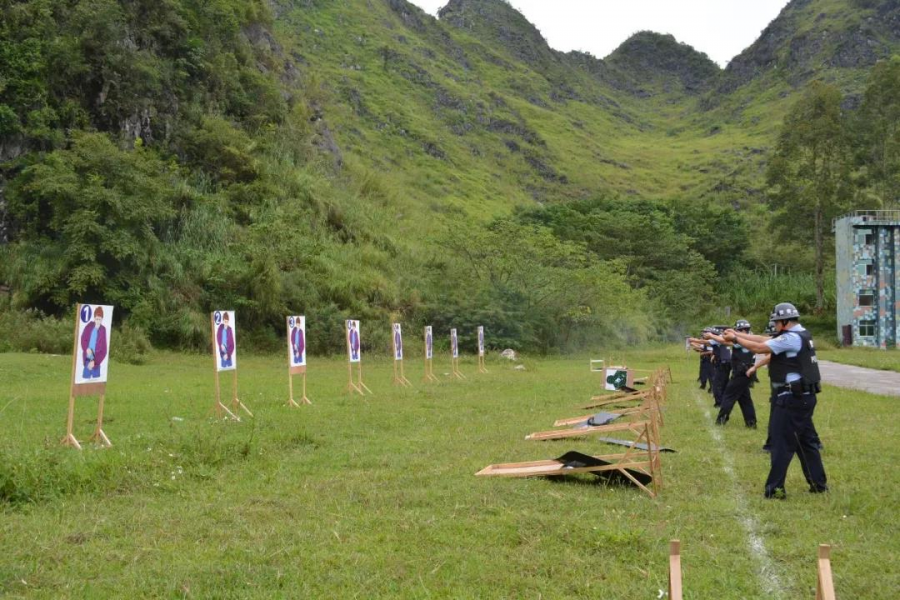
(720, 380)
(706, 373)
(89, 373)
(738, 390)
(792, 432)
(225, 363)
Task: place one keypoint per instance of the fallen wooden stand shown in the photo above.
(617, 398)
(628, 466)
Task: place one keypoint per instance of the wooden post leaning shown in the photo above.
(399, 378)
(296, 325)
(429, 357)
(356, 386)
(454, 356)
(83, 389)
(481, 367)
(675, 570)
(221, 411)
(454, 368)
(429, 371)
(351, 385)
(825, 580)
(301, 370)
(397, 343)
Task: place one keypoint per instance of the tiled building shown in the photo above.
(867, 245)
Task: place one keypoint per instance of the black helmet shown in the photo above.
(770, 329)
(742, 324)
(785, 311)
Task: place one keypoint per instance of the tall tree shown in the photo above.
(808, 176)
(878, 134)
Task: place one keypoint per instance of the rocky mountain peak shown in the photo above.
(659, 58)
(497, 22)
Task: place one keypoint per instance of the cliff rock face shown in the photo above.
(811, 36)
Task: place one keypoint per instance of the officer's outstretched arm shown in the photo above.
(749, 341)
(712, 336)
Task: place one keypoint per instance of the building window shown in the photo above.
(865, 236)
(866, 298)
(865, 268)
(867, 329)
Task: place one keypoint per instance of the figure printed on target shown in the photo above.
(225, 342)
(93, 343)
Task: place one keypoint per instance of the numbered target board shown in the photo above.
(92, 344)
(354, 349)
(225, 340)
(296, 343)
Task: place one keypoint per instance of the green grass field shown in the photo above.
(377, 498)
(886, 360)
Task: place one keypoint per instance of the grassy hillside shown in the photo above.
(322, 157)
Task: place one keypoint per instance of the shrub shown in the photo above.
(33, 331)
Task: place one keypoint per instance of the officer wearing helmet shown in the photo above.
(706, 366)
(721, 359)
(742, 378)
(794, 373)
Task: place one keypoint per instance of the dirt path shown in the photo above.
(860, 378)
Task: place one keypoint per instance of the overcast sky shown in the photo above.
(720, 28)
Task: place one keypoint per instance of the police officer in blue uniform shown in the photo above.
(706, 366)
(722, 368)
(794, 371)
(742, 378)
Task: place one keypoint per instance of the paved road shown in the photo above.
(860, 378)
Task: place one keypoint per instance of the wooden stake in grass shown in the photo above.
(481, 367)
(90, 351)
(354, 356)
(296, 330)
(429, 357)
(397, 340)
(825, 581)
(454, 356)
(675, 570)
(224, 343)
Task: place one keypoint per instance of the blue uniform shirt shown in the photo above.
(790, 344)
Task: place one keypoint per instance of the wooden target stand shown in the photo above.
(222, 411)
(481, 367)
(358, 386)
(454, 368)
(399, 378)
(84, 389)
(298, 370)
(429, 372)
